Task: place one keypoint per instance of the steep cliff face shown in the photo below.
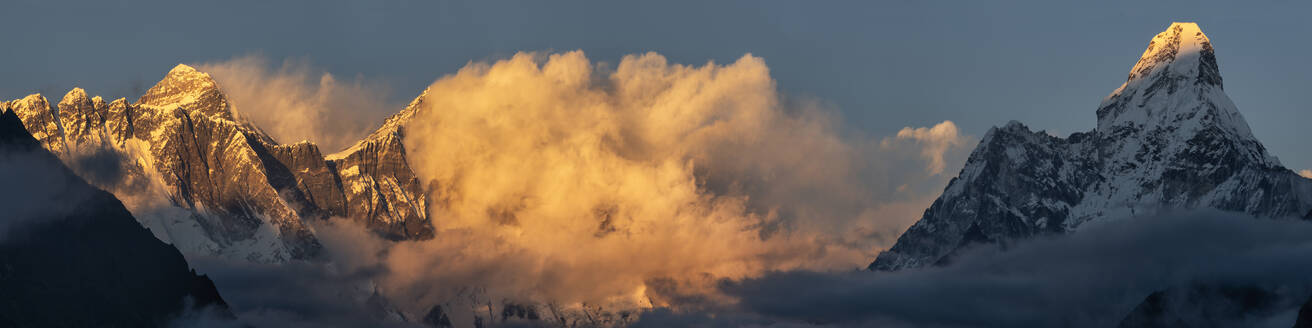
(237, 192)
(72, 256)
(379, 183)
(35, 112)
(1168, 138)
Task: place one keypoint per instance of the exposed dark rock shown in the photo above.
(436, 317)
(1304, 315)
(380, 186)
(518, 311)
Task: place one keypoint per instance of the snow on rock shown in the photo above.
(1167, 138)
(185, 87)
(82, 119)
(211, 184)
(40, 121)
(379, 183)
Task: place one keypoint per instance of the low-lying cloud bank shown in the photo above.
(1091, 278)
(341, 293)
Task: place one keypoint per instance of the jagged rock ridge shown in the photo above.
(376, 174)
(1167, 138)
(236, 192)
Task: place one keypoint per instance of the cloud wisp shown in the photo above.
(936, 141)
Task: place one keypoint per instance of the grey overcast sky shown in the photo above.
(883, 64)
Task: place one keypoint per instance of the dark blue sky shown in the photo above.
(885, 65)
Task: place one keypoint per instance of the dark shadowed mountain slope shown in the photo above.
(1304, 315)
(72, 256)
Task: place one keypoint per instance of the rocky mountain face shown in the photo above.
(1168, 138)
(232, 190)
(72, 256)
(379, 182)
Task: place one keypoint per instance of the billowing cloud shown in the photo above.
(559, 180)
(1091, 278)
(295, 102)
(1306, 173)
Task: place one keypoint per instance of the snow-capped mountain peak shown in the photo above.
(185, 87)
(1168, 138)
(75, 96)
(1173, 94)
(1183, 49)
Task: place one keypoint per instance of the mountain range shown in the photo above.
(231, 190)
(199, 177)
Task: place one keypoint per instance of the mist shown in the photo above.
(35, 192)
(295, 101)
(1091, 278)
